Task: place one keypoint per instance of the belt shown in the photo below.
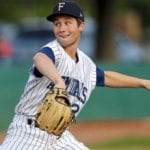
(32, 122)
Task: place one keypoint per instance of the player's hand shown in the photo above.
(60, 84)
(146, 84)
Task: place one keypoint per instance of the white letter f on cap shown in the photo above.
(61, 5)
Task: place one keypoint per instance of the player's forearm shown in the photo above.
(48, 69)
(117, 80)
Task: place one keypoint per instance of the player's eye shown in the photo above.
(56, 24)
(68, 22)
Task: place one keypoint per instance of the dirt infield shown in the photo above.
(98, 132)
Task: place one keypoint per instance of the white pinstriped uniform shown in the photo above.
(80, 79)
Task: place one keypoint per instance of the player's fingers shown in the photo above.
(147, 84)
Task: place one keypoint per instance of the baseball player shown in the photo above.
(60, 63)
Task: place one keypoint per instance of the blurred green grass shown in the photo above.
(12, 81)
(138, 143)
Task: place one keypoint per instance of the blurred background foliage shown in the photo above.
(13, 10)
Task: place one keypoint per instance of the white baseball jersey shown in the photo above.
(80, 78)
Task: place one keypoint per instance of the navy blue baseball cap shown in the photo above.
(66, 7)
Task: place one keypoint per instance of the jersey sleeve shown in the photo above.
(48, 51)
(99, 77)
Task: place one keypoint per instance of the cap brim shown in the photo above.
(52, 17)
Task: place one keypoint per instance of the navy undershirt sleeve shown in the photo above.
(99, 77)
(47, 51)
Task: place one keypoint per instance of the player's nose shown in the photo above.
(62, 28)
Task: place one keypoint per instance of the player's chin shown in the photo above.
(64, 42)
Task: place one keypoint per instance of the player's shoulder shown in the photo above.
(52, 44)
(85, 57)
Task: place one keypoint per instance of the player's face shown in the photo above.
(67, 30)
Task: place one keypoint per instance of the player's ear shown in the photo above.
(82, 26)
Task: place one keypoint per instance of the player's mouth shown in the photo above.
(64, 36)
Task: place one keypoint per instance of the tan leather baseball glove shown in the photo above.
(55, 113)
